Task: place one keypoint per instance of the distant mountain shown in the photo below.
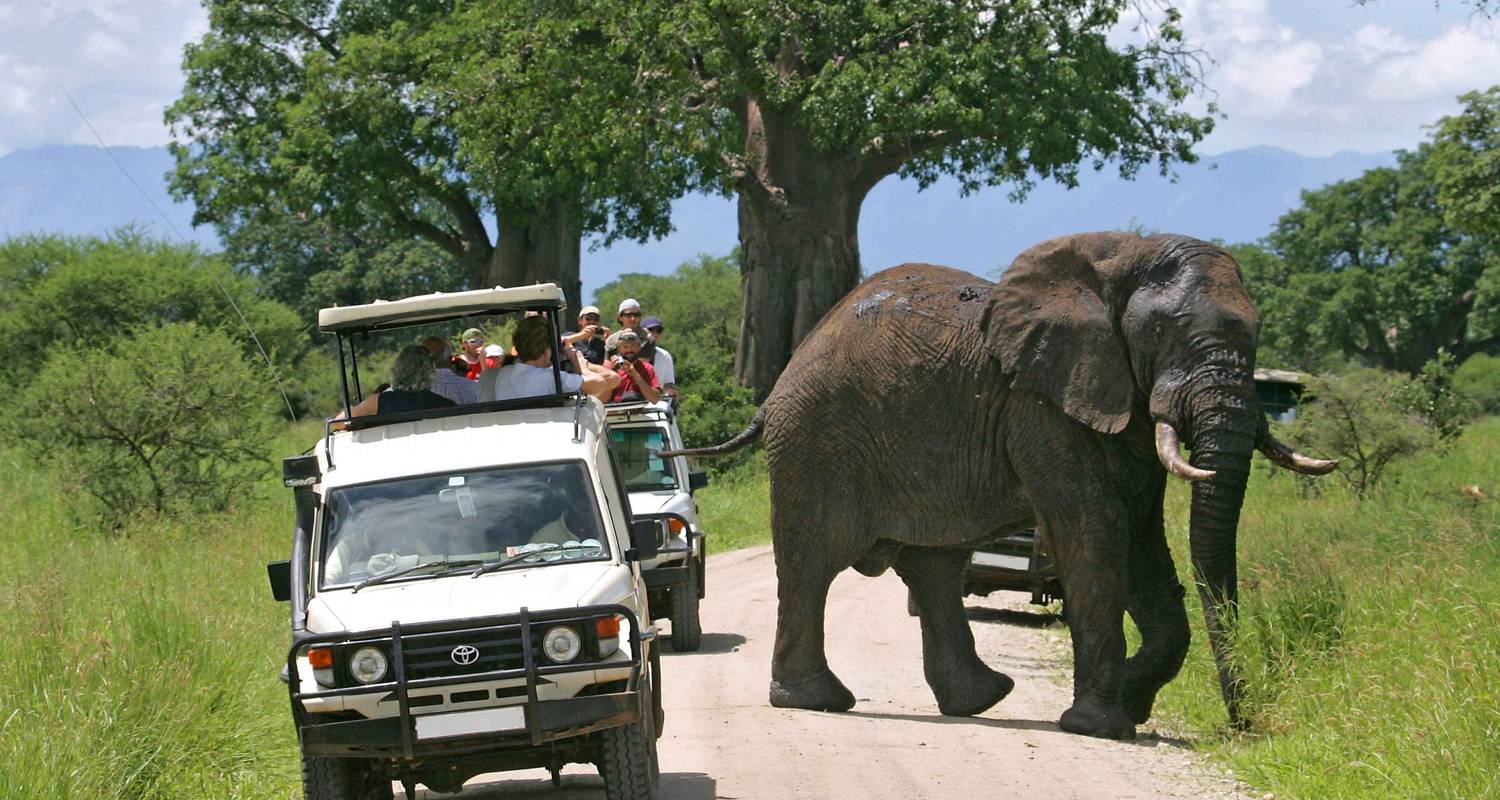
(1233, 196)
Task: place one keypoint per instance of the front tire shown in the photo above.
(342, 779)
(687, 629)
(627, 754)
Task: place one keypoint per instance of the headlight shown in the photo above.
(561, 644)
(367, 665)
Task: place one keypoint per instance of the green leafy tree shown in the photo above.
(808, 105)
(699, 305)
(347, 114)
(1368, 270)
(171, 418)
(83, 294)
(1465, 160)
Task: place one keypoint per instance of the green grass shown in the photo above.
(735, 508)
(142, 663)
(1369, 634)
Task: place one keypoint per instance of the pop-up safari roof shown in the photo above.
(439, 306)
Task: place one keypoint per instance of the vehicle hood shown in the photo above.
(674, 502)
(555, 586)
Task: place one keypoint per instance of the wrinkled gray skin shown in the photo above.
(931, 411)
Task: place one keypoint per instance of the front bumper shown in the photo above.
(541, 721)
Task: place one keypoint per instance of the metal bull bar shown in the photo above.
(401, 684)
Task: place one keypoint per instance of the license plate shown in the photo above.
(462, 723)
(984, 559)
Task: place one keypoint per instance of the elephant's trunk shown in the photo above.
(1224, 422)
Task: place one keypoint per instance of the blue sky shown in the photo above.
(1312, 76)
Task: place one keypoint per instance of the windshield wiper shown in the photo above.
(443, 566)
(541, 547)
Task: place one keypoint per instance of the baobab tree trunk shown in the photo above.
(799, 241)
(539, 245)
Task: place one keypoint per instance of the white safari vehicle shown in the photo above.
(675, 576)
(465, 584)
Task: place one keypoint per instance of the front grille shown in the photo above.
(430, 655)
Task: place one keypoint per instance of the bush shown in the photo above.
(172, 418)
(1432, 394)
(1363, 419)
(1478, 378)
(66, 295)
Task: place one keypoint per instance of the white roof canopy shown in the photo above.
(439, 306)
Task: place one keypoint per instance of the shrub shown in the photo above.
(69, 294)
(1363, 419)
(1432, 394)
(172, 418)
(1478, 378)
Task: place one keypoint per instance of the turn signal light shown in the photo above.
(675, 525)
(320, 658)
(607, 633)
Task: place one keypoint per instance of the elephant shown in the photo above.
(930, 410)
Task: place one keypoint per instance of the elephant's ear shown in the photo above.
(1050, 323)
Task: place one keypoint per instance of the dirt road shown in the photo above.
(722, 739)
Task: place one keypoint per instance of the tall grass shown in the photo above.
(141, 663)
(1369, 633)
(736, 508)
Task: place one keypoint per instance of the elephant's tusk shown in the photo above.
(1169, 452)
(1284, 456)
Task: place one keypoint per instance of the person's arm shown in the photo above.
(575, 337)
(597, 381)
(363, 408)
(645, 380)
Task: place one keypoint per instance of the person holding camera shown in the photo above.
(638, 379)
(589, 338)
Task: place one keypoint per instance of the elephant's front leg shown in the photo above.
(1091, 558)
(1156, 606)
(962, 683)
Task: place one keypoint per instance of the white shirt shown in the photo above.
(454, 386)
(516, 380)
(662, 361)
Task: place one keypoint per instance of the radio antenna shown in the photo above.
(275, 374)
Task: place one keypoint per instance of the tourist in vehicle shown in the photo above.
(472, 356)
(638, 379)
(530, 375)
(666, 370)
(445, 381)
(629, 317)
(590, 335)
(410, 390)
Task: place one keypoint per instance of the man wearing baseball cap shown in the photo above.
(637, 379)
(666, 371)
(589, 338)
(629, 317)
(473, 353)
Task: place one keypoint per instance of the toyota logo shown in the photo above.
(465, 654)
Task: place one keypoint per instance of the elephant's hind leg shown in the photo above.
(962, 684)
(805, 568)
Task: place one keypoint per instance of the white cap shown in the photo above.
(494, 350)
(628, 304)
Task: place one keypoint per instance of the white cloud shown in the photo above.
(118, 58)
(1339, 87)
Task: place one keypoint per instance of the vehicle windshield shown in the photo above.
(642, 470)
(478, 516)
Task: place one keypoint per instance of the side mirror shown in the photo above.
(643, 533)
(697, 480)
(280, 575)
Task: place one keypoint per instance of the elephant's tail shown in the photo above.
(745, 437)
